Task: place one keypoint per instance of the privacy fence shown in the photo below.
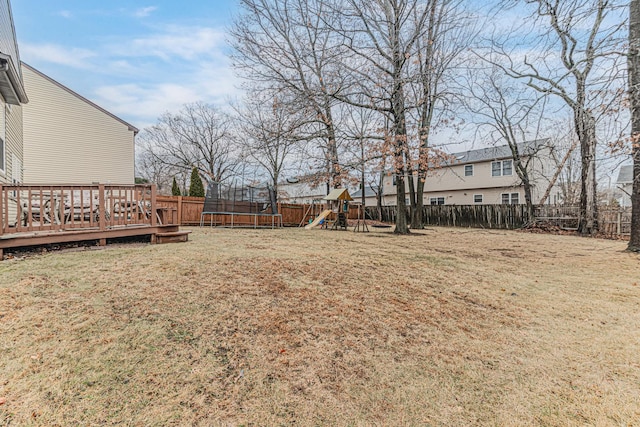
(188, 210)
(613, 221)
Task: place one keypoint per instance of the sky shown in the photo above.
(137, 59)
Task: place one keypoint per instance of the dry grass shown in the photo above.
(281, 327)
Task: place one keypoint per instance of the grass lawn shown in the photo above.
(280, 327)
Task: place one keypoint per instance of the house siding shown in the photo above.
(68, 140)
(451, 183)
(8, 44)
(13, 143)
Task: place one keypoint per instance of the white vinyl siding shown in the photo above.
(69, 141)
(11, 135)
(16, 169)
(3, 138)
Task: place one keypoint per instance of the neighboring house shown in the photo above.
(70, 140)
(304, 189)
(12, 97)
(483, 176)
(625, 184)
(369, 196)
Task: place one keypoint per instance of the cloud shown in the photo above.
(139, 79)
(65, 14)
(206, 81)
(143, 12)
(57, 54)
(175, 41)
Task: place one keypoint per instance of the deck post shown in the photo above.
(154, 213)
(3, 220)
(102, 207)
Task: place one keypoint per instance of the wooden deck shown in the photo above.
(32, 215)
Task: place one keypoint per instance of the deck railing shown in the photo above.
(34, 208)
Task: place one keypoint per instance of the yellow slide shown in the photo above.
(319, 218)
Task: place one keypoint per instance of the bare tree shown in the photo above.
(577, 62)
(511, 115)
(285, 46)
(268, 130)
(448, 35)
(363, 133)
(634, 94)
(198, 136)
(148, 167)
(381, 38)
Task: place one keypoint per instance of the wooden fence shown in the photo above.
(481, 216)
(612, 221)
(189, 209)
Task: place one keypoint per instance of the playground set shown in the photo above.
(256, 207)
(335, 215)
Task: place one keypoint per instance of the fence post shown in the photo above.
(102, 207)
(3, 220)
(619, 224)
(179, 210)
(153, 206)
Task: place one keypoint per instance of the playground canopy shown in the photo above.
(338, 194)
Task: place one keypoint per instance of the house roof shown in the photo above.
(625, 175)
(498, 152)
(82, 98)
(11, 85)
(368, 192)
(338, 194)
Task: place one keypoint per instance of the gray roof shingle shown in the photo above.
(625, 175)
(498, 152)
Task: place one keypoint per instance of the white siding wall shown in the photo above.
(8, 44)
(67, 140)
(458, 189)
(13, 143)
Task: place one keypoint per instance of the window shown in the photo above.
(477, 198)
(468, 170)
(502, 168)
(394, 180)
(510, 198)
(436, 201)
(507, 167)
(496, 168)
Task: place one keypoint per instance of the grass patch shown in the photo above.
(276, 327)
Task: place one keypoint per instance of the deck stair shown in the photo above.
(172, 236)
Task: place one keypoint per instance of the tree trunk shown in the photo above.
(417, 219)
(528, 199)
(586, 129)
(634, 92)
(332, 150)
(557, 173)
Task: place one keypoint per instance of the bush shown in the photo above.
(175, 189)
(196, 189)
